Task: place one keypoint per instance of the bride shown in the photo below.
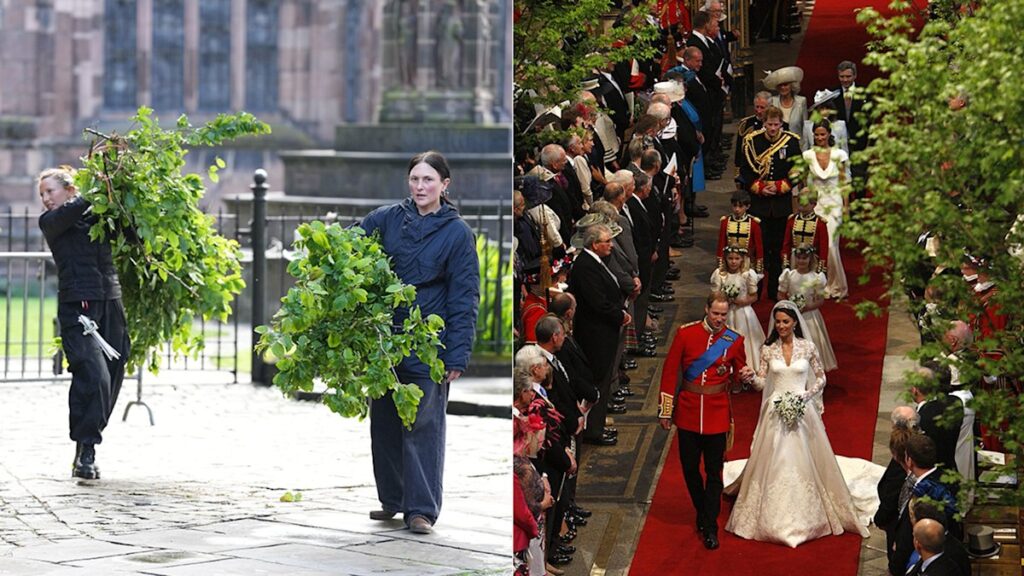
(791, 489)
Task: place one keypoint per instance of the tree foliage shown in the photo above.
(173, 266)
(956, 174)
(335, 325)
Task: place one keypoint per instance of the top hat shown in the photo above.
(981, 542)
(675, 90)
(783, 76)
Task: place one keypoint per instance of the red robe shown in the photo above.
(732, 232)
(815, 235)
(534, 308)
(701, 413)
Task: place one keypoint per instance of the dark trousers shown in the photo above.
(95, 380)
(408, 465)
(706, 495)
(607, 375)
(773, 231)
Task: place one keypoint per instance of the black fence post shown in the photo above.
(259, 268)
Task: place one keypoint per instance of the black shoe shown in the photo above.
(569, 536)
(611, 431)
(653, 315)
(564, 550)
(625, 391)
(645, 352)
(649, 340)
(711, 539)
(617, 399)
(673, 275)
(86, 467)
(655, 309)
(623, 380)
(616, 409)
(667, 288)
(781, 39)
(559, 560)
(574, 522)
(656, 297)
(602, 441)
(628, 364)
(713, 176)
(576, 510)
(382, 514)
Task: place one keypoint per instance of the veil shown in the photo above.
(769, 386)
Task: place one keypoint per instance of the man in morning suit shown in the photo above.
(600, 318)
(849, 104)
(768, 156)
(704, 358)
(930, 541)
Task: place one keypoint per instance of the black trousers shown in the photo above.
(773, 231)
(95, 380)
(705, 494)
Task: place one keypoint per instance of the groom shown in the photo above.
(705, 356)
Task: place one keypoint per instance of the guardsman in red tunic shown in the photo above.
(704, 359)
(741, 230)
(806, 230)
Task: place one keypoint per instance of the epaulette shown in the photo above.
(753, 133)
(723, 218)
(793, 134)
(755, 219)
(688, 324)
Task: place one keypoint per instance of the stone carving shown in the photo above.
(406, 36)
(449, 31)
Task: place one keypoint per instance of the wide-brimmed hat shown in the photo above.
(981, 542)
(783, 76)
(589, 85)
(586, 222)
(675, 90)
(822, 96)
(536, 191)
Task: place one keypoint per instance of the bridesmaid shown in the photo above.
(828, 173)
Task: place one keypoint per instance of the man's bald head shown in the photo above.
(905, 417)
(929, 536)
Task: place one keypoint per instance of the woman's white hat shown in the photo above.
(675, 90)
(783, 76)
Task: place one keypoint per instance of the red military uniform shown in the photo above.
(534, 308)
(700, 413)
(745, 233)
(806, 231)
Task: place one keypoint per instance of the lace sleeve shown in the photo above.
(762, 370)
(818, 372)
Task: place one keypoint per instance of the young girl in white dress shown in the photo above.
(739, 282)
(807, 288)
(828, 171)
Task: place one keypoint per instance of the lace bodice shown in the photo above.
(803, 375)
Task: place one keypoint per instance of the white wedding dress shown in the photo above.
(791, 489)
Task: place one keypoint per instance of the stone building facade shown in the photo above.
(304, 66)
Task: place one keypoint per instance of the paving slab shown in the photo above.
(346, 561)
(238, 567)
(74, 549)
(280, 531)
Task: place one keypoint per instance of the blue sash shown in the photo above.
(697, 170)
(709, 356)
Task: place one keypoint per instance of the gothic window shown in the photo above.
(215, 55)
(119, 54)
(261, 55)
(168, 82)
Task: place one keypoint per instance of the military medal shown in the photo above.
(722, 369)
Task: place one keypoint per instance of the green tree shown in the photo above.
(173, 266)
(335, 325)
(957, 174)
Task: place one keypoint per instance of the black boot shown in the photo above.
(86, 465)
(78, 454)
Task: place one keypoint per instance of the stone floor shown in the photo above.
(200, 493)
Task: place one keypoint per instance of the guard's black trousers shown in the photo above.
(95, 380)
(705, 492)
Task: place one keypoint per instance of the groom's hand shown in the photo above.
(666, 423)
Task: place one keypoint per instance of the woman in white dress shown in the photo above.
(791, 489)
(803, 285)
(739, 282)
(828, 172)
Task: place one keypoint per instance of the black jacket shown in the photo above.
(85, 269)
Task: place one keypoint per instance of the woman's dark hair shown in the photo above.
(797, 330)
(434, 159)
(824, 123)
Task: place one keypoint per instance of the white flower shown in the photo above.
(790, 408)
(800, 300)
(731, 291)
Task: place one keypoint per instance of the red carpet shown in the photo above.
(832, 36)
(669, 542)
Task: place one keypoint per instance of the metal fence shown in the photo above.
(28, 283)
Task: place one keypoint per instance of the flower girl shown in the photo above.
(738, 281)
(806, 288)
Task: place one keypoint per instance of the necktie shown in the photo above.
(557, 364)
(849, 103)
(562, 181)
(906, 490)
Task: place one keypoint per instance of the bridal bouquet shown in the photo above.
(790, 408)
(732, 291)
(799, 299)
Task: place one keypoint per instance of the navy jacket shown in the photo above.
(85, 269)
(435, 253)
